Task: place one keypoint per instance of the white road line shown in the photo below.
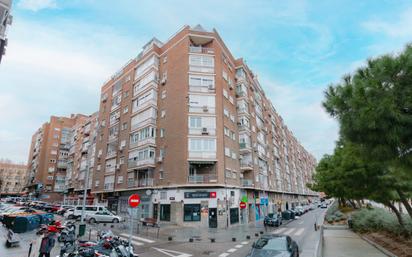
(172, 253)
(139, 238)
(279, 230)
(289, 231)
(224, 254)
(238, 246)
(134, 242)
(232, 250)
(299, 232)
(244, 242)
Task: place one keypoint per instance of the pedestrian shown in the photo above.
(47, 242)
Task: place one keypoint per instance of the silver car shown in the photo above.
(103, 216)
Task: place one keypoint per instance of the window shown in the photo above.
(191, 212)
(121, 160)
(124, 126)
(163, 94)
(162, 132)
(163, 113)
(232, 135)
(126, 109)
(200, 83)
(126, 94)
(226, 131)
(146, 65)
(199, 61)
(226, 112)
(202, 144)
(228, 173)
(165, 212)
(109, 182)
(224, 75)
(161, 174)
(234, 155)
(55, 136)
(232, 117)
(231, 100)
(117, 87)
(227, 151)
(225, 94)
(142, 134)
(53, 152)
(49, 177)
(165, 59)
(119, 179)
(195, 122)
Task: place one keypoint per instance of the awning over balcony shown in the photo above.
(202, 162)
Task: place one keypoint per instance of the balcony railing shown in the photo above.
(202, 155)
(111, 154)
(201, 50)
(139, 89)
(202, 109)
(202, 131)
(145, 182)
(202, 89)
(241, 93)
(244, 164)
(141, 163)
(200, 179)
(150, 140)
(244, 146)
(243, 127)
(62, 165)
(143, 123)
(246, 182)
(243, 110)
(151, 102)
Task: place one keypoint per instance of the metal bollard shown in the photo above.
(212, 240)
(316, 227)
(248, 237)
(191, 240)
(256, 234)
(233, 239)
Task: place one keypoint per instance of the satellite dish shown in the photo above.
(148, 192)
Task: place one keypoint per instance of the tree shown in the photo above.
(374, 110)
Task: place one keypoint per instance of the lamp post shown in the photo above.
(82, 226)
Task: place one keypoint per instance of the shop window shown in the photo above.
(191, 212)
(165, 212)
(234, 215)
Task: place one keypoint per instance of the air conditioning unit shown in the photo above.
(117, 166)
(205, 108)
(163, 81)
(160, 159)
(204, 131)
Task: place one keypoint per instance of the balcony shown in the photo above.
(246, 182)
(109, 187)
(241, 93)
(141, 163)
(246, 165)
(243, 127)
(149, 121)
(140, 89)
(145, 182)
(61, 165)
(145, 105)
(201, 179)
(202, 88)
(111, 154)
(202, 155)
(245, 147)
(202, 131)
(201, 50)
(147, 141)
(113, 138)
(202, 109)
(243, 110)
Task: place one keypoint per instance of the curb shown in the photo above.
(379, 247)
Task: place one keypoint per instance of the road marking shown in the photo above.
(133, 241)
(244, 242)
(279, 230)
(299, 232)
(238, 246)
(224, 254)
(232, 250)
(171, 252)
(139, 238)
(287, 232)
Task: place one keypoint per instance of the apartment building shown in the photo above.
(81, 160)
(189, 128)
(5, 20)
(48, 157)
(12, 178)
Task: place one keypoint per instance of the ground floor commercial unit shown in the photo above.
(211, 207)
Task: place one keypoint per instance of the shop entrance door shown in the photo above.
(212, 218)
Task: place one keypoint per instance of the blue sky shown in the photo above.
(61, 52)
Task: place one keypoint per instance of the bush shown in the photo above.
(339, 214)
(330, 218)
(378, 219)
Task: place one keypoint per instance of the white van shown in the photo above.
(89, 209)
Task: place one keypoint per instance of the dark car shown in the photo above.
(273, 220)
(274, 246)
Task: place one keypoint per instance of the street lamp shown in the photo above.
(82, 226)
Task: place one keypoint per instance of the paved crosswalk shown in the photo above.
(289, 231)
(136, 240)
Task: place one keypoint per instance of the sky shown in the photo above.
(60, 53)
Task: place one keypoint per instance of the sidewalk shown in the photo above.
(345, 243)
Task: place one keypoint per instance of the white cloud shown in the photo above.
(399, 28)
(37, 5)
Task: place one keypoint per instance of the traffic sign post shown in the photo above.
(242, 205)
(134, 201)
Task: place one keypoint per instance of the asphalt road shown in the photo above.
(301, 230)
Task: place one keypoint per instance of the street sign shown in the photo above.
(134, 200)
(242, 205)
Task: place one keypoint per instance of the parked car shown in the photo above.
(103, 216)
(273, 219)
(69, 213)
(63, 209)
(300, 210)
(274, 245)
(89, 209)
(324, 205)
(296, 212)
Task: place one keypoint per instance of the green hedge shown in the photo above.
(378, 219)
